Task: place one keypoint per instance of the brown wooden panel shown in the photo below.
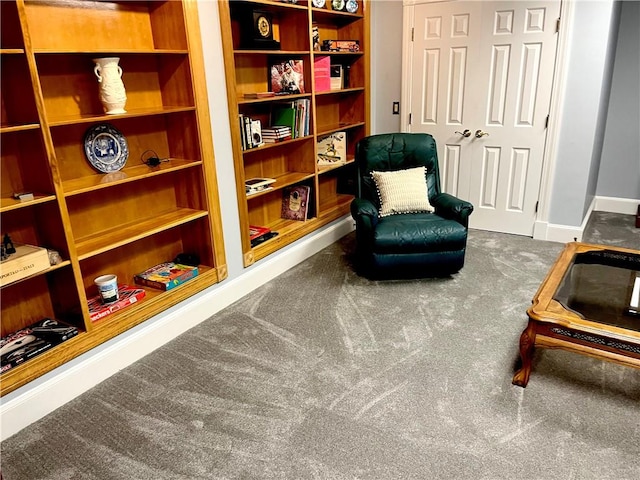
(16, 95)
(126, 204)
(24, 303)
(64, 26)
(10, 32)
(37, 225)
(167, 25)
(24, 164)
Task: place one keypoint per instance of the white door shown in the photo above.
(486, 67)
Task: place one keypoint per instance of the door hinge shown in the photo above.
(546, 122)
(558, 25)
(412, 31)
(409, 119)
(537, 203)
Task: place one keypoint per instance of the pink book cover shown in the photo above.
(322, 73)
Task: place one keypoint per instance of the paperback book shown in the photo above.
(166, 276)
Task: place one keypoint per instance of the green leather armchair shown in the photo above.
(406, 244)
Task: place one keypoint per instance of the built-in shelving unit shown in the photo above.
(122, 222)
(293, 162)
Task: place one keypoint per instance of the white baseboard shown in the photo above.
(626, 206)
(49, 392)
(568, 233)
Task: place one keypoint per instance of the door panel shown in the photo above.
(487, 67)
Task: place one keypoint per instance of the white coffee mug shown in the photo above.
(108, 288)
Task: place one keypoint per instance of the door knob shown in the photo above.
(466, 133)
(480, 133)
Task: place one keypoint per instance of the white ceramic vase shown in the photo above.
(112, 93)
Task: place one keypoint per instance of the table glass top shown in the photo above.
(603, 286)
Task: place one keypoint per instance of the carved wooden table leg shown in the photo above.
(527, 345)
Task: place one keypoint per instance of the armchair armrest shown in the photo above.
(364, 212)
(453, 208)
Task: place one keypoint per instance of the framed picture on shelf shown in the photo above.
(287, 77)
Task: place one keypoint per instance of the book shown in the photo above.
(33, 340)
(332, 149)
(27, 260)
(263, 238)
(256, 133)
(127, 295)
(295, 202)
(287, 77)
(322, 73)
(275, 134)
(284, 115)
(256, 231)
(337, 81)
(166, 276)
(258, 95)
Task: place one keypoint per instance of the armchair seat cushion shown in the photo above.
(418, 233)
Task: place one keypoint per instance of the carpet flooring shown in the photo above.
(323, 374)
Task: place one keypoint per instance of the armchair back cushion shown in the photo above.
(392, 152)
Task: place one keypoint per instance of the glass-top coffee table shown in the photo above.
(588, 304)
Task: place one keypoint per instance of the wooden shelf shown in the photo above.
(128, 174)
(347, 109)
(141, 112)
(131, 232)
(120, 222)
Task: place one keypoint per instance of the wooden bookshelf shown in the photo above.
(121, 222)
(294, 161)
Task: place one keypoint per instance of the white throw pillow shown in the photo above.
(402, 191)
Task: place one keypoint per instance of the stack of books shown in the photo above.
(259, 184)
(260, 234)
(276, 134)
(294, 114)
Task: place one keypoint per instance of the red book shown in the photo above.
(322, 73)
(256, 231)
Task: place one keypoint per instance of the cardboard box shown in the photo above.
(27, 261)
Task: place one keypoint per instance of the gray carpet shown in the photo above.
(322, 374)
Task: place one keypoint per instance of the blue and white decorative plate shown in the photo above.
(106, 148)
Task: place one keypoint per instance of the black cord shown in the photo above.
(152, 160)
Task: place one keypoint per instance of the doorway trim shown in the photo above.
(541, 228)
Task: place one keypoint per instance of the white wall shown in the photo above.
(619, 174)
(582, 125)
(386, 64)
